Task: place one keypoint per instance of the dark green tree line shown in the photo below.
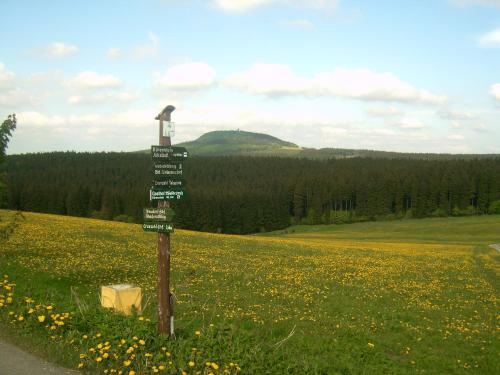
(250, 194)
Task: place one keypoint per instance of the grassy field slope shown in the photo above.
(479, 230)
(417, 296)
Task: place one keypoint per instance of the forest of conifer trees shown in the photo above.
(251, 194)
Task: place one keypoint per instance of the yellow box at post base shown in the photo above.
(121, 297)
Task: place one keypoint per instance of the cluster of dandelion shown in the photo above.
(28, 311)
(130, 356)
(6, 292)
(123, 356)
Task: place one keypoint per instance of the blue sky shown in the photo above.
(417, 76)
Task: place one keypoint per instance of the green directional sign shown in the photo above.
(169, 182)
(158, 227)
(156, 194)
(168, 153)
(167, 169)
(163, 214)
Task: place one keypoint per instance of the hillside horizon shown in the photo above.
(246, 143)
(241, 142)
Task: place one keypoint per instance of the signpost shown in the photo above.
(168, 185)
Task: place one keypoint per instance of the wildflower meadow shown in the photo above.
(351, 299)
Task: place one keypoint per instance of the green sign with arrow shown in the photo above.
(160, 153)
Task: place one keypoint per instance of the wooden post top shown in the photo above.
(165, 114)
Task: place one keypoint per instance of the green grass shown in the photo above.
(401, 297)
(478, 230)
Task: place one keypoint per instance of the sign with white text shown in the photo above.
(169, 182)
(160, 153)
(156, 194)
(168, 169)
(158, 227)
(163, 214)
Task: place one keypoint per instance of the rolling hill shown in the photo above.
(239, 142)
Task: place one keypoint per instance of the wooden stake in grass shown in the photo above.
(165, 308)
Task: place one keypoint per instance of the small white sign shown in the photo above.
(168, 129)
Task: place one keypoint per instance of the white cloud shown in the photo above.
(104, 98)
(240, 6)
(16, 98)
(452, 114)
(188, 76)
(147, 50)
(413, 124)
(36, 119)
(490, 39)
(270, 79)
(384, 111)
(480, 128)
(24, 92)
(299, 24)
(365, 84)
(5, 75)
(464, 3)
(455, 137)
(92, 80)
(495, 91)
(57, 50)
(113, 53)
(120, 120)
(280, 80)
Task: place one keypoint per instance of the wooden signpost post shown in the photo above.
(168, 185)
